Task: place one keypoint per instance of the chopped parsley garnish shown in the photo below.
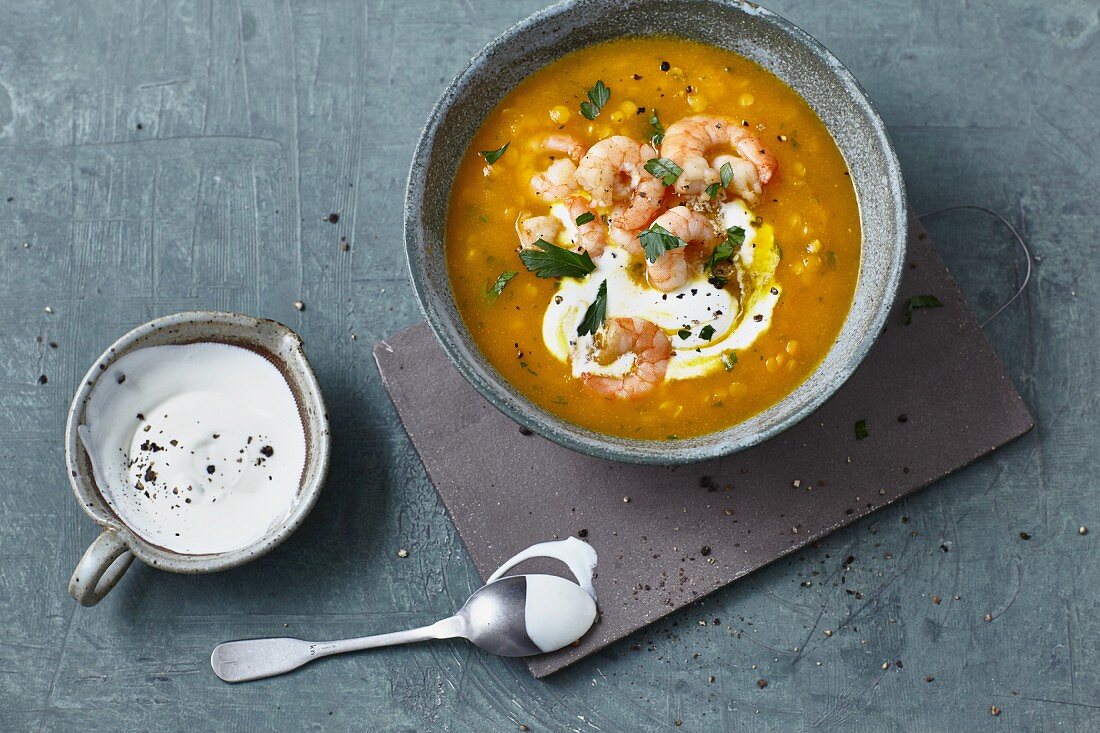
(706, 332)
(658, 130)
(721, 252)
(549, 260)
(657, 240)
(498, 286)
(735, 237)
(861, 430)
(729, 360)
(712, 190)
(585, 218)
(920, 301)
(594, 316)
(598, 96)
(665, 169)
(684, 333)
(492, 156)
(726, 172)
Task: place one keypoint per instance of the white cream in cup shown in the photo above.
(182, 413)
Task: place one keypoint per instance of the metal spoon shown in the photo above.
(495, 618)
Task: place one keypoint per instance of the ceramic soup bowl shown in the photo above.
(747, 29)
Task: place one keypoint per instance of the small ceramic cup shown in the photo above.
(108, 557)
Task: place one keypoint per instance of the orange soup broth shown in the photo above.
(810, 202)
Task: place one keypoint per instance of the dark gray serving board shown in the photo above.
(933, 395)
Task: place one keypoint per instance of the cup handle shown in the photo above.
(101, 567)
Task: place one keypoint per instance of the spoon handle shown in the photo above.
(253, 659)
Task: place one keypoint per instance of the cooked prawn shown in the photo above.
(746, 179)
(621, 236)
(687, 142)
(556, 182)
(651, 349)
(567, 144)
(534, 228)
(671, 269)
(614, 170)
(592, 235)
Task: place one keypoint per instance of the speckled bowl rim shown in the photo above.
(457, 343)
(317, 460)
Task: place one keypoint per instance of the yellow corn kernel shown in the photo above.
(746, 99)
(792, 365)
(697, 102)
(814, 247)
(628, 108)
(560, 114)
(780, 358)
(793, 347)
(738, 389)
(617, 117)
(771, 365)
(676, 72)
(799, 169)
(530, 291)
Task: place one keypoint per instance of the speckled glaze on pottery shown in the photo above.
(108, 557)
(776, 44)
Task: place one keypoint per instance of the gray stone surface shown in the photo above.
(257, 121)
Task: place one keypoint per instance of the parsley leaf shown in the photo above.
(658, 130)
(594, 316)
(684, 333)
(920, 301)
(598, 96)
(729, 360)
(552, 261)
(657, 240)
(735, 237)
(498, 286)
(665, 169)
(706, 332)
(492, 156)
(861, 430)
(585, 218)
(726, 172)
(712, 190)
(721, 252)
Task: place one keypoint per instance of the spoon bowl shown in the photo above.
(521, 615)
